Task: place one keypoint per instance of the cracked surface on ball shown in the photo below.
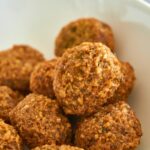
(86, 77)
(39, 121)
(83, 30)
(114, 127)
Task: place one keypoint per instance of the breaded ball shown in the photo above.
(39, 121)
(127, 83)
(55, 147)
(8, 100)
(86, 77)
(9, 138)
(83, 30)
(42, 77)
(114, 127)
(24, 53)
(16, 66)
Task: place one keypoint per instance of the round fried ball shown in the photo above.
(9, 138)
(24, 53)
(114, 127)
(55, 147)
(8, 100)
(16, 66)
(83, 30)
(127, 83)
(39, 121)
(42, 77)
(86, 77)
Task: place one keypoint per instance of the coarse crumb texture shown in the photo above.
(83, 30)
(9, 138)
(127, 83)
(114, 127)
(86, 77)
(39, 121)
(55, 147)
(42, 77)
(24, 53)
(8, 100)
(16, 65)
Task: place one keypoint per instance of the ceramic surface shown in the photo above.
(37, 22)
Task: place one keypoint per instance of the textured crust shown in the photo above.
(83, 30)
(24, 53)
(127, 83)
(42, 77)
(86, 77)
(114, 127)
(8, 100)
(9, 139)
(55, 147)
(16, 65)
(39, 121)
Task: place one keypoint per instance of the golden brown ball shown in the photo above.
(86, 77)
(16, 66)
(8, 100)
(127, 83)
(83, 30)
(9, 138)
(39, 121)
(42, 77)
(55, 147)
(114, 127)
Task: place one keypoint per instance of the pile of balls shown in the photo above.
(75, 101)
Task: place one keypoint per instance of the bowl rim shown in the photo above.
(143, 4)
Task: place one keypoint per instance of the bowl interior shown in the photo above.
(37, 23)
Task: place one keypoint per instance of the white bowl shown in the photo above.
(37, 23)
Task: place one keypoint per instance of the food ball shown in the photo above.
(42, 77)
(127, 83)
(39, 121)
(8, 100)
(114, 127)
(16, 66)
(55, 147)
(23, 52)
(83, 30)
(9, 138)
(86, 77)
